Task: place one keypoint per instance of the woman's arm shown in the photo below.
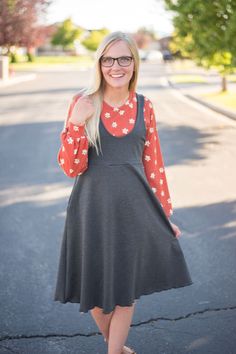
(153, 161)
(73, 153)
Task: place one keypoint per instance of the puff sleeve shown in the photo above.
(73, 153)
(153, 160)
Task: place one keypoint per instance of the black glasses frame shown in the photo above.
(118, 60)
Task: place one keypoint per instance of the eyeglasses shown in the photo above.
(122, 61)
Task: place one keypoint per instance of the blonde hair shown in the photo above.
(95, 89)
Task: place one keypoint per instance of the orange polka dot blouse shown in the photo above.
(73, 153)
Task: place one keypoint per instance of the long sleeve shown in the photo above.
(73, 153)
(153, 160)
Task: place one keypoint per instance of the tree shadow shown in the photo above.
(34, 161)
(184, 144)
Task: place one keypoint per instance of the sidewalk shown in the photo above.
(27, 75)
(16, 78)
(203, 86)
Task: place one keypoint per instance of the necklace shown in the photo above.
(119, 104)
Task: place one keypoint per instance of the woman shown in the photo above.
(118, 241)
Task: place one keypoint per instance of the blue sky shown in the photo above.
(124, 15)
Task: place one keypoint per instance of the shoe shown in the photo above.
(127, 350)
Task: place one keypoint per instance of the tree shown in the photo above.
(182, 47)
(18, 22)
(210, 29)
(94, 38)
(66, 34)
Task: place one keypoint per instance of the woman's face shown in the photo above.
(117, 76)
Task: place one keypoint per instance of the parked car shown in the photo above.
(150, 55)
(166, 55)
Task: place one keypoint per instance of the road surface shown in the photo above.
(199, 152)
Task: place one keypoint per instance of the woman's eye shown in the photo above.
(124, 60)
(107, 60)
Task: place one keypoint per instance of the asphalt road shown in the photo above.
(199, 152)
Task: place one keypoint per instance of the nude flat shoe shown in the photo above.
(127, 350)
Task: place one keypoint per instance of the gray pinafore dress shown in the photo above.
(117, 243)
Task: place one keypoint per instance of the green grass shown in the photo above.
(224, 99)
(184, 64)
(191, 79)
(187, 79)
(41, 62)
(231, 78)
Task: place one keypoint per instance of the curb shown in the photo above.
(16, 80)
(214, 108)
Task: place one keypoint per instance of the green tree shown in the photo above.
(207, 30)
(94, 38)
(66, 34)
(182, 47)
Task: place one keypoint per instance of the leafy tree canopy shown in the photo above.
(94, 38)
(66, 34)
(206, 30)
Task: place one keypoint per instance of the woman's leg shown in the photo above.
(121, 323)
(119, 328)
(102, 320)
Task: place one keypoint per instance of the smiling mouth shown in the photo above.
(117, 75)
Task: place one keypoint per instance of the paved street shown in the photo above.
(199, 152)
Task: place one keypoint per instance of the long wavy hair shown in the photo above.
(96, 87)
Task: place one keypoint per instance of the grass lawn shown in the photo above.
(191, 79)
(224, 99)
(187, 79)
(232, 78)
(41, 62)
(182, 64)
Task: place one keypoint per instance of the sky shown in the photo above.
(124, 15)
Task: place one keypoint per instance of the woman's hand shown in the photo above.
(83, 109)
(176, 230)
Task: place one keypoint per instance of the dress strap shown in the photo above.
(140, 106)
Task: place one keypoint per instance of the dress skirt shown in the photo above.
(117, 242)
